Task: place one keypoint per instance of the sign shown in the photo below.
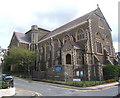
(58, 69)
(77, 73)
(76, 79)
(80, 73)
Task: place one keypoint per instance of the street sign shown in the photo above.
(58, 68)
(76, 79)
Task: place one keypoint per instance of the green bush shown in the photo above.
(21, 75)
(3, 85)
(111, 71)
(78, 83)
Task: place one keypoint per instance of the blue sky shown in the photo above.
(20, 15)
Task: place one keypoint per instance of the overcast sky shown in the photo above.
(20, 15)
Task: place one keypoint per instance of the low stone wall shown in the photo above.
(7, 92)
(38, 75)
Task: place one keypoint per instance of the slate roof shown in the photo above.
(67, 26)
(74, 23)
(22, 37)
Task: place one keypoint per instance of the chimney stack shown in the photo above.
(34, 27)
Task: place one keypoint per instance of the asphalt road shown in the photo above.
(48, 89)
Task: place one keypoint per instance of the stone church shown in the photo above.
(76, 50)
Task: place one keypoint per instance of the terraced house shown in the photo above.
(76, 50)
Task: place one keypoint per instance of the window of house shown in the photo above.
(108, 49)
(80, 58)
(100, 24)
(99, 47)
(80, 34)
(68, 59)
(56, 44)
(42, 50)
(80, 73)
(78, 37)
(73, 38)
(66, 38)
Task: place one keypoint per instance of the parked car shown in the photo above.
(9, 79)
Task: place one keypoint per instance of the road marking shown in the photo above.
(107, 87)
(68, 88)
(38, 94)
(99, 89)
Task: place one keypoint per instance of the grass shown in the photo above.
(77, 83)
(70, 83)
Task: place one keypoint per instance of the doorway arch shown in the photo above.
(68, 59)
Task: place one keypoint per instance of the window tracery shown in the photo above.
(66, 38)
(80, 34)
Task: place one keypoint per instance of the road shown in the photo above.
(48, 89)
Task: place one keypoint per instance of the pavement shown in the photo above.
(24, 92)
(102, 86)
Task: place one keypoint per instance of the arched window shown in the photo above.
(107, 38)
(80, 34)
(66, 38)
(41, 49)
(73, 38)
(68, 59)
(99, 47)
(41, 53)
(48, 49)
(47, 46)
(57, 44)
(101, 24)
(98, 35)
(57, 53)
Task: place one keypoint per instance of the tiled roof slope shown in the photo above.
(67, 26)
(74, 23)
(22, 37)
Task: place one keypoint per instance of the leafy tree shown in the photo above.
(19, 59)
(111, 71)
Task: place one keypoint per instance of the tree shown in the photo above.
(19, 59)
(111, 71)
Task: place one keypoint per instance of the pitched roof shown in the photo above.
(39, 29)
(74, 23)
(67, 26)
(22, 37)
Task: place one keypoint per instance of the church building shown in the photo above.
(76, 50)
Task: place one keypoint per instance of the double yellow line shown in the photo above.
(84, 89)
(38, 94)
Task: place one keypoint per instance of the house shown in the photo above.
(76, 50)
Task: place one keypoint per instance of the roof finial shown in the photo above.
(97, 5)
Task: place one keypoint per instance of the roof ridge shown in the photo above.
(72, 21)
(68, 25)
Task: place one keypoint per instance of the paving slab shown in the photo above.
(23, 92)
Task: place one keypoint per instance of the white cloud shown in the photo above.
(19, 15)
(116, 46)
